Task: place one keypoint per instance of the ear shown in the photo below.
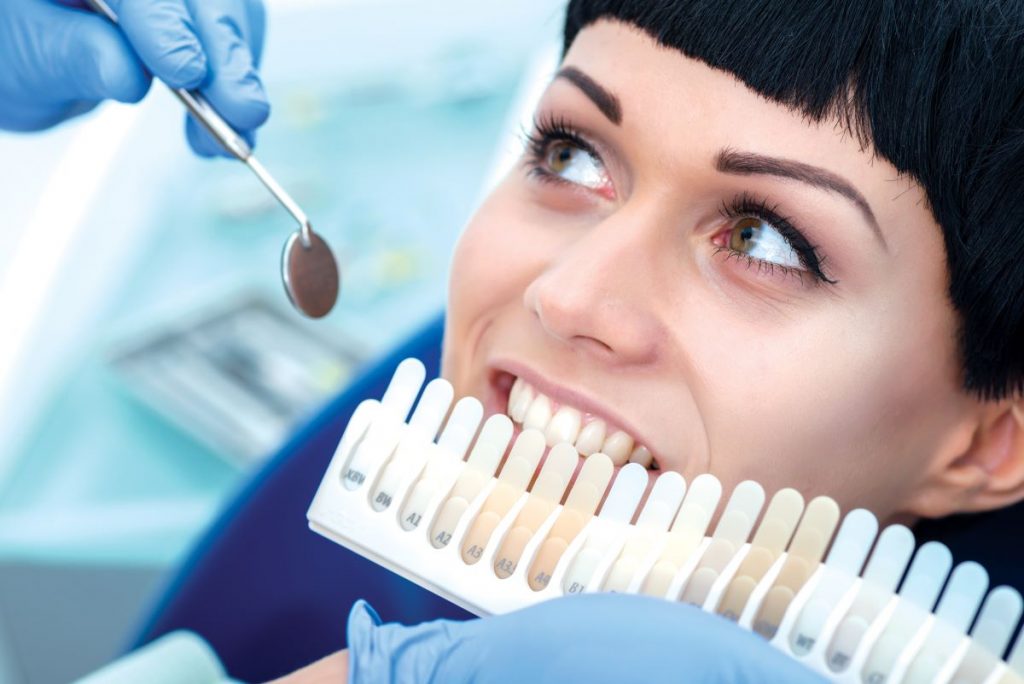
(984, 468)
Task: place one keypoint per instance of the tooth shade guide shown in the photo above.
(997, 620)
(927, 574)
(843, 564)
(686, 534)
(770, 539)
(512, 480)
(432, 409)
(608, 529)
(444, 463)
(1016, 658)
(804, 554)
(540, 503)
(410, 453)
(885, 568)
(662, 503)
(381, 437)
(866, 627)
(956, 610)
(480, 467)
(656, 515)
(991, 634)
(580, 505)
(733, 529)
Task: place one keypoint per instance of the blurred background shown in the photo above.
(149, 360)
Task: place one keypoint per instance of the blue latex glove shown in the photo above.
(585, 638)
(60, 59)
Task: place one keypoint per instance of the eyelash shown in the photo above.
(745, 205)
(546, 130)
(550, 128)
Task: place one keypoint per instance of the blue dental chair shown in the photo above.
(270, 596)
(267, 593)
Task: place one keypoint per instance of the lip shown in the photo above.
(559, 393)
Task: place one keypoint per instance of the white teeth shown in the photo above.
(538, 414)
(518, 405)
(591, 437)
(564, 427)
(532, 410)
(618, 447)
(641, 455)
(513, 393)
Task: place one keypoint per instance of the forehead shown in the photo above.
(675, 100)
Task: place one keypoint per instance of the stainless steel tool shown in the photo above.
(309, 270)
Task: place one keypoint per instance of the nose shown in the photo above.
(595, 294)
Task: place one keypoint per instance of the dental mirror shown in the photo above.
(310, 274)
(308, 268)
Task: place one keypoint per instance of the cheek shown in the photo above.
(494, 260)
(837, 405)
(488, 260)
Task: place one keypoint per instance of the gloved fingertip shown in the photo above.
(201, 142)
(125, 84)
(367, 660)
(241, 100)
(257, 108)
(205, 145)
(362, 617)
(184, 66)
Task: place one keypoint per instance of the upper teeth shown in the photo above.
(533, 409)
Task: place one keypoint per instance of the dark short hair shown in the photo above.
(935, 87)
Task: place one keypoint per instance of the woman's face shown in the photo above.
(682, 265)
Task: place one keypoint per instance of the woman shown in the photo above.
(769, 240)
(766, 240)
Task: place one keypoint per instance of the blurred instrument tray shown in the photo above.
(239, 378)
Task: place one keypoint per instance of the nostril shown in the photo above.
(573, 324)
(593, 343)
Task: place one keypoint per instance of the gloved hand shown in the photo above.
(60, 59)
(584, 638)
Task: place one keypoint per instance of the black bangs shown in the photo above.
(935, 87)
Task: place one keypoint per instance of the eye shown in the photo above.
(759, 239)
(558, 153)
(758, 233)
(570, 162)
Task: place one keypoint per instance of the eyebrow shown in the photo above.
(604, 100)
(748, 163)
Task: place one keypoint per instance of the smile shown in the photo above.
(561, 422)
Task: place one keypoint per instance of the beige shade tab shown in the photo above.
(579, 508)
